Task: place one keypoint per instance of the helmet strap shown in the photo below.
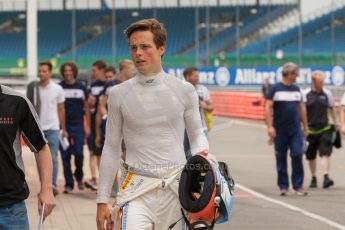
(191, 226)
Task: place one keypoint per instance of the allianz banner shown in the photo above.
(230, 76)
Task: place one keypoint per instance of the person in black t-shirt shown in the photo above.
(18, 118)
(319, 101)
(266, 87)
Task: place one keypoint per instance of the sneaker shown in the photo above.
(301, 192)
(313, 183)
(283, 192)
(55, 191)
(327, 182)
(91, 184)
(81, 185)
(68, 189)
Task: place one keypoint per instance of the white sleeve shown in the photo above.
(61, 95)
(107, 91)
(343, 100)
(206, 94)
(111, 154)
(329, 97)
(305, 92)
(197, 138)
(304, 95)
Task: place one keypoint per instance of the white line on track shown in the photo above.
(292, 207)
(232, 122)
(266, 198)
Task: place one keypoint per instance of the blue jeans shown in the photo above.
(14, 217)
(53, 142)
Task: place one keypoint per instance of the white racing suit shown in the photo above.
(145, 201)
(151, 114)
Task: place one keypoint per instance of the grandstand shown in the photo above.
(94, 36)
(317, 36)
(221, 33)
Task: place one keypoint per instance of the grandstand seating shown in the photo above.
(11, 43)
(316, 37)
(94, 30)
(249, 24)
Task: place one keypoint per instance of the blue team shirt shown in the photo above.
(107, 86)
(75, 96)
(286, 101)
(105, 91)
(96, 89)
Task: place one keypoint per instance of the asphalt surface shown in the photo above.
(242, 144)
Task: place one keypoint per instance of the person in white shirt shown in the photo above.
(191, 75)
(51, 114)
(150, 112)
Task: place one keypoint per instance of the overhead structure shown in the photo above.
(31, 42)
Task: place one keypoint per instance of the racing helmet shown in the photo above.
(205, 194)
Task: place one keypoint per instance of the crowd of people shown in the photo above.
(70, 110)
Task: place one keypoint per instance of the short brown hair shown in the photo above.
(47, 63)
(100, 64)
(110, 69)
(73, 67)
(151, 24)
(188, 71)
(124, 63)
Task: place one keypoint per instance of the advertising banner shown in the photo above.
(230, 76)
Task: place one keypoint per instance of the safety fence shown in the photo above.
(238, 104)
(244, 105)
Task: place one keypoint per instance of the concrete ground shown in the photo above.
(243, 145)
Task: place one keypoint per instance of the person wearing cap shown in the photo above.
(319, 101)
(285, 112)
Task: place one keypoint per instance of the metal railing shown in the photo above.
(292, 22)
(20, 5)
